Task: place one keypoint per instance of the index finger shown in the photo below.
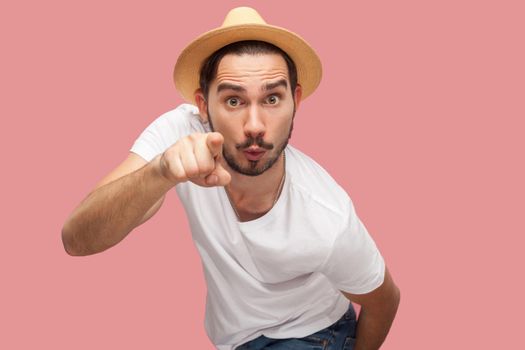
(214, 141)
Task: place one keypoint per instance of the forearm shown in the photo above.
(373, 325)
(109, 213)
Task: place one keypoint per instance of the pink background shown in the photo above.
(419, 116)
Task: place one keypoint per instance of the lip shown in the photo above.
(254, 154)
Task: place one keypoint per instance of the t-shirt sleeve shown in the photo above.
(354, 264)
(163, 132)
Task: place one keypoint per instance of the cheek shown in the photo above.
(284, 120)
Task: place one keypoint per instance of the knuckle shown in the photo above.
(170, 152)
(194, 137)
(185, 142)
(180, 174)
(171, 171)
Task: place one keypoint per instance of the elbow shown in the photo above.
(75, 244)
(70, 243)
(67, 242)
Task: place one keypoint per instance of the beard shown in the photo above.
(255, 167)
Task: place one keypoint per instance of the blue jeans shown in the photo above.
(339, 336)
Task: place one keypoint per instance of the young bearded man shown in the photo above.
(283, 250)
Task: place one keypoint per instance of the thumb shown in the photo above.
(214, 141)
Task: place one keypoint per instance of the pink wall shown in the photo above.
(419, 116)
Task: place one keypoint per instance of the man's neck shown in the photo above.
(253, 196)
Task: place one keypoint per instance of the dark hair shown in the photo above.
(208, 70)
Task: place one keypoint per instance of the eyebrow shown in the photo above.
(271, 86)
(238, 88)
(230, 86)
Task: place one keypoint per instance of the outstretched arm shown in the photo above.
(123, 200)
(114, 209)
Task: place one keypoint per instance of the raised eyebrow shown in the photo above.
(230, 86)
(273, 85)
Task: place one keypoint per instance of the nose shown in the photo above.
(254, 125)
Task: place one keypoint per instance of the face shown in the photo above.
(251, 104)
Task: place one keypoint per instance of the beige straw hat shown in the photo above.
(244, 23)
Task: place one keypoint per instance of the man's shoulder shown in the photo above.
(182, 111)
(184, 118)
(314, 184)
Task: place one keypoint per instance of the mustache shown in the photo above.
(254, 141)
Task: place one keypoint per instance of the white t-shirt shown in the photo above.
(278, 275)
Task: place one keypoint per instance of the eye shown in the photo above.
(272, 99)
(233, 102)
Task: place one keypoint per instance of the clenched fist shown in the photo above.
(196, 158)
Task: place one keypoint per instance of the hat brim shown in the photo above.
(187, 68)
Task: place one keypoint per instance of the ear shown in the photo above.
(297, 95)
(201, 104)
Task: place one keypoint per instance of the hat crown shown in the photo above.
(242, 15)
(245, 24)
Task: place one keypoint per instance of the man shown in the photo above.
(283, 250)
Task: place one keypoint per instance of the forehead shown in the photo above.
(251, 68)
